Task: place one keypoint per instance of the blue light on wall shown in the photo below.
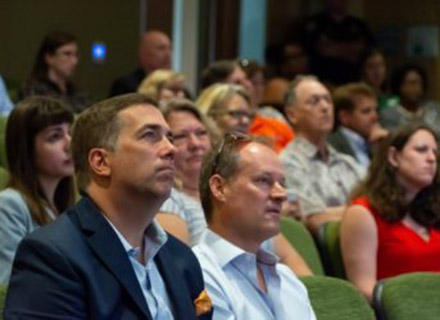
(99, 52)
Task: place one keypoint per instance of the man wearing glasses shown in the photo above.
(322, 177)
(242, 191)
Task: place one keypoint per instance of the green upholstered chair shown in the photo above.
(2, 142)
(3, 178)
(336, 299)
(408, 296)
(328, 240)
(300, 238)
(3, 289)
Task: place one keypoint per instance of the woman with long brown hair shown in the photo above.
(393, 224)
(40, 169)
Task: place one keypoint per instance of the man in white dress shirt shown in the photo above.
(242, 191)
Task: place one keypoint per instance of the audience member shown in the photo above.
(410, 83)
(374, 73)
(357, 122)
(163, 85)
(228, 105)
(241, 187)
(187, 221)
(154, 52)
(392, 226)
(6, 104)
(40, 169)
(106, 257)
(335, 42)
(321, 176)
(231, 109)
(55, 65)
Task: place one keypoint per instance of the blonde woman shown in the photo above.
(163, 85)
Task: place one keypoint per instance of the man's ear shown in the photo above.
(99, 162)
(291, 114)
(392, 157)
(217, 186)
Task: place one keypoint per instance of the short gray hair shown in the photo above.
(290, 97)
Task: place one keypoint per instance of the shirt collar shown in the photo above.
(226, 252)
(309, 150)
(354, 136)
(154, 237)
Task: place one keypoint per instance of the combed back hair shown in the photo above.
(50, 44)
(99, 127)
(223, 159)
(30, 117)
(344, 97)
(290, 98)
(217, 72)
(387, 196)
(155, 81)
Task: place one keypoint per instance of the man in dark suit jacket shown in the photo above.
(106, 258)
(154, 53)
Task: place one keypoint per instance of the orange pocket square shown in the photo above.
(203, 303)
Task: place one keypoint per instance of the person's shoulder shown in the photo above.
(127, 83)
(12, 199)
(293, 153)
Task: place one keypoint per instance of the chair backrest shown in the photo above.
(3, 161)
(336, 299)
(408, 296)
(3, 289)
(300, 238)
(3, 178)
(328, 239)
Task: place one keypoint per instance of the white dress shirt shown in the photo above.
(148, 275)
(230, 275)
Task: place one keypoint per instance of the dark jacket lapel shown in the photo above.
(340, 143)
(176, 287)
(106, 245)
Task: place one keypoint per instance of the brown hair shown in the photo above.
(27, 119)
(99, 127)
(386, 195)
(344, 96)
(223, 159)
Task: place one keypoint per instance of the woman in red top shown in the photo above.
(393, 224)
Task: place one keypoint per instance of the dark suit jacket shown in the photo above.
(338, 141)
(128, 83)
(77, 268)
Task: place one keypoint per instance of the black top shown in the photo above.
(128, 83)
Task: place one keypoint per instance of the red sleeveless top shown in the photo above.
(402, 250)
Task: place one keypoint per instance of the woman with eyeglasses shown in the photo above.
(229, 108)
(55, 65)
(182, 213)
(40, 168)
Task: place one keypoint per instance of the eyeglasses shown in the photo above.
(236, 114)
(229, 141)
